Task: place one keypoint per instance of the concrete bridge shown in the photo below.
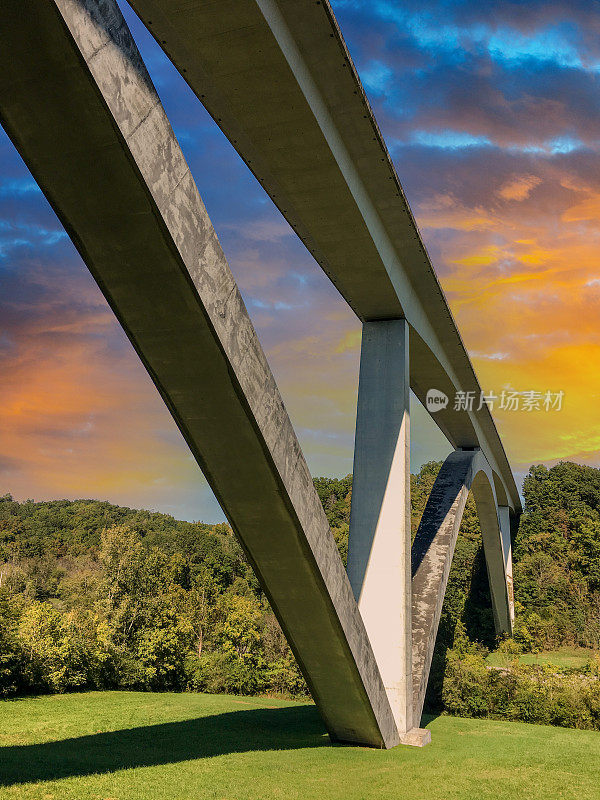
(79, 105)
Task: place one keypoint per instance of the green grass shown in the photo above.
(138, 746)
(565, 657)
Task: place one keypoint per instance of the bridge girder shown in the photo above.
(278, 79)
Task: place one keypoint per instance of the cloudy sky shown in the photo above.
(491, 111)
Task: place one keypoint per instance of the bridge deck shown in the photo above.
(278, 79)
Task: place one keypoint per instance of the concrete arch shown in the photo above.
(501, 495)
(431, 556)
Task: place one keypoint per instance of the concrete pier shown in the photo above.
(507, 521)
(379, 540)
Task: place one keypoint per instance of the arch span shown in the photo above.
(431, 556)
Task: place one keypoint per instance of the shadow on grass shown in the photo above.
(168, 743)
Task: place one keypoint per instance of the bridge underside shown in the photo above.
(277, 78)
(80, 107)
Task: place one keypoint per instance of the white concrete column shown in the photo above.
(379, 545)
(505, 532)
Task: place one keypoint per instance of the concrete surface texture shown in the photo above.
(432, 553)
(379, 539)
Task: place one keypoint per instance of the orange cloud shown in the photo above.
(446, 211)
(526, 295)
(519, 188)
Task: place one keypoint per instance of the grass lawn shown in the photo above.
(563, 658)
(142, 746)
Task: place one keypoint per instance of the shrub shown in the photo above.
(526, 693)
(217, 672)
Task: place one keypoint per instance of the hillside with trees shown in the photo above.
(94, 595)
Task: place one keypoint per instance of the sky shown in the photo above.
(491, 112)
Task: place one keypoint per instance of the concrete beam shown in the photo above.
(277, 77)
(432, 551)
(79, 105)
(380, 538)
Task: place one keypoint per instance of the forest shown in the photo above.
(96, 596)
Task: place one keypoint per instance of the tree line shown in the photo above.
(94, 595)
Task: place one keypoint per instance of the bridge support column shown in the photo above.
(505, 533)
(379, 542)
(494, 537)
